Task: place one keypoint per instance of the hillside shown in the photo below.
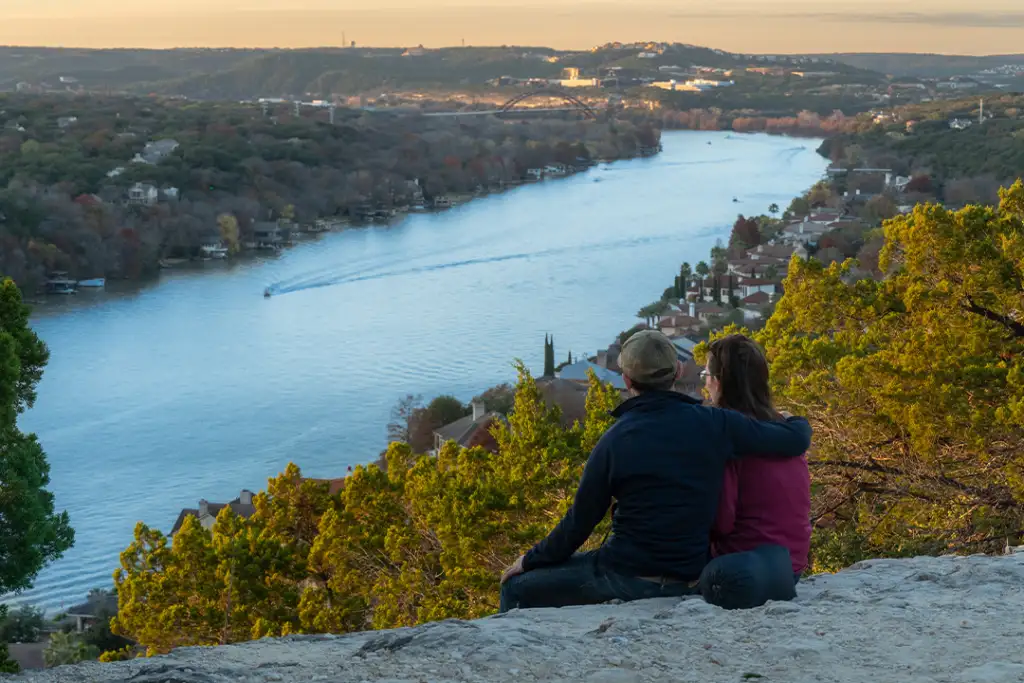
(924, 65)
(925, 620)
(244, 74)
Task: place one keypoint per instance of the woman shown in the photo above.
(763, 500)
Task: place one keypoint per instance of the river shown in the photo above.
(197, 387)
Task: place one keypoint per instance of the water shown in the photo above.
(198, 387)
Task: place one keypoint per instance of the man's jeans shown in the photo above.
(582, 580)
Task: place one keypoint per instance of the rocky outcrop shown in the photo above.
(931, 620)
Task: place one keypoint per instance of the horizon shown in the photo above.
(991, 27)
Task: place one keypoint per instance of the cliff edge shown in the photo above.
(914, 621)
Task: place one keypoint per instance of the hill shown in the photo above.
(924, 65)
(934, 620)
(245, 74)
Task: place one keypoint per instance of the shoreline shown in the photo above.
(42, 300)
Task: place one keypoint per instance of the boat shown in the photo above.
(94, 282)
(266, 293)
(59, 283)
(171, 262)
(213, 251)
(735, 201)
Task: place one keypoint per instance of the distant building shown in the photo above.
(207, 512)
(470, 431)
(960, 124)
(66, 121)
(155, 152)
(143, 194)
(415, 52)
(578, 372)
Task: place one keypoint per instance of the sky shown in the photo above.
(782, 26)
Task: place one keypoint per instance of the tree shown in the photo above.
(31, 533)
(746, 234)
(913, 384)
(920, 183)
(773, 209)
(500, 399)
(441, 411)
(702, 270)
(798, 208)
(23, 625)
(549, 357)
(651, 312)
(66, 648)
(422, 539)
(402, 413)
(686, 274)
(228, 226)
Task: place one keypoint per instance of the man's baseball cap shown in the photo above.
(648, 357)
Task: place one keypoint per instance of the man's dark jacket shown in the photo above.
(663, 462)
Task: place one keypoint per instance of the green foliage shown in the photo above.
(914, 385)
(501, 398)
(31, 534)
(67, 648)
(549, 356)
(424, 539)
(7, 665)
(22, 625)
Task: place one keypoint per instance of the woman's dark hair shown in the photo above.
(740, 367)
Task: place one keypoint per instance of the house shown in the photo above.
(777, 252)
(609, 358)
(535, 173)
(415, 52)
(805, 231)
(705, 311)
(169, 193)
(684, 346)
(568, 396)
(143, 194)
(673, 325)
(66, 121)
(753, 305)
(207, 512)
(155, 152)
(960, 124)
(100, 605)
(470, 431)
(748, 286)
(115, 172)
(578, 372)
(267, 235)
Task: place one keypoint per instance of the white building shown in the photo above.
(143, 194)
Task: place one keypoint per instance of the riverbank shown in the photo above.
(226, 175)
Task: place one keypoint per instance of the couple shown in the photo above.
(684, 487)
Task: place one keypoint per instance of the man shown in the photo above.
(663, 462)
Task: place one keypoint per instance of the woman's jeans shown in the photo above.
(583, 580)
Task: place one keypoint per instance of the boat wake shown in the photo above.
(322, 278)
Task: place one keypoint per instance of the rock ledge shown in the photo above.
(934, 620)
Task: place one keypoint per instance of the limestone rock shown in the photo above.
(923, 620)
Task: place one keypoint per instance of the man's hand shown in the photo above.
(786, 414)
(515, 570)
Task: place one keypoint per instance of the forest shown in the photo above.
(961, 166)
(66, 165)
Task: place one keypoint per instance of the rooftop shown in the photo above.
(577, 372)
